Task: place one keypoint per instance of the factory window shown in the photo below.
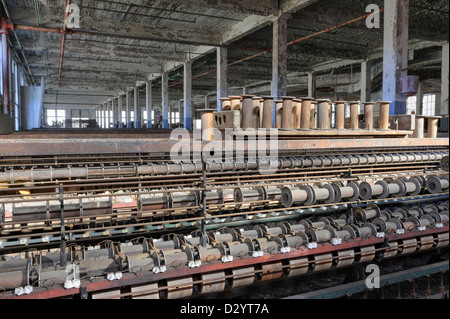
(145, 117)
(411, 105)
(56, 119)
(80, 118)
(429, 104)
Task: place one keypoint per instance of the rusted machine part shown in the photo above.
(378, 190)
(184, 199)
(267, 115)
(297, 112)
(370, 212)
(212, 282)
(384, 115)
(278, 113)
(295, 195)
(419, 131)
(152, 202)
(313, 115)
(323, 114)
(236, 103)
(226, 103)
(350, 192)
(436, 185)
(271, 271)
(266, 246)
(287, 120)
(305, 120)
(416, 211)
(340, 115)
(212, 254)
(243, 277)
(368, 115)
(444, 206)
(354, 115)
(98, 254)
(207, 120)
(256, 112)
(440, 217)
(247, 112)
(295, 228)
(239, 249)
(14, 273)
(321, 236)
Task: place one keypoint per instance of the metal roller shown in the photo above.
(437, 185)
(266, 246)
(366, 231)
(390, 226)
(98, 254)
(273, 231)
(211, 254)
(271, 271)
(444, 163)
(297, 195)
(140, 262)
(392, 250)
(240, 249)
(149, 202)
(243, 277)
(109, 294)
(409, 246)
(180, 288)
(174, 243)
(147, 291)
(298, 267)
(346, 193)
(400, 213)
(426, 243)
(366, 254)
(213, 282)
(249, 195)
(324, 194)
(184, 199)
(322, 262)
(370, 212)
(295, 242)
(14, 278)
(416, 211)
(254, 233)
(320, 236)
(345, 258)
(378, 190)
(442, 240)
(346, 233)
(176, 259)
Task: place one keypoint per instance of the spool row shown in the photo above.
(175, 252)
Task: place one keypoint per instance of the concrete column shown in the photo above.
(114, 111)
(395, 55)
(222, 87)
(279, 57)
(128, 108)
(137, 110)
(187, 118)
(148, 103)
(110, 115)
(366, 81)
(100, 115)
(419, 99)
(444, 79)
(165, 100)
(119, 110)
(311, 85)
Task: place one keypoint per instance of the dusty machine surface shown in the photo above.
(112, 215)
